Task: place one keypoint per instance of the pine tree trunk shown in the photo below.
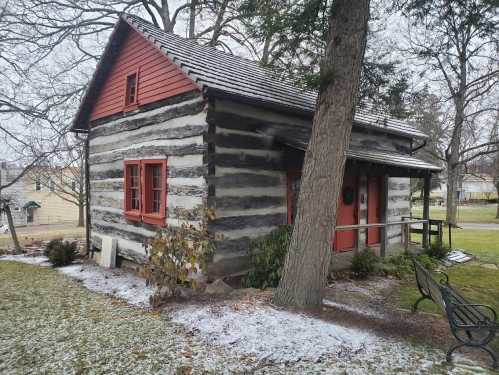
(308, 259)
(12, 229)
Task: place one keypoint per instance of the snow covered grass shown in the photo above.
(278, 336)
(114, 282)
(99, 334)
(37, 260)
(49, 324)
(285, 338)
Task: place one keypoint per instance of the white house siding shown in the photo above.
(173, 131)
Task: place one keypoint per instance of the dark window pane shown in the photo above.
(156, 202)
(131, 84)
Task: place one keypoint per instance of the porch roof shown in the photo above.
(388, 158)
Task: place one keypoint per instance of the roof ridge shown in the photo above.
(194, 42)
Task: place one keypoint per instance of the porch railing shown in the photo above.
(405, 226)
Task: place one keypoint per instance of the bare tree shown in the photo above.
(308, 259)
(456, 42)
(64, 175)
(495, 162)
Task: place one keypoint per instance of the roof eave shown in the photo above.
(80, 123)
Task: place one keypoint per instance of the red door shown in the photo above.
(373, 209)
(347, 215)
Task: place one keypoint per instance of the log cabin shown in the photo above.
(174, 124)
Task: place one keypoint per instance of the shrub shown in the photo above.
(401, 265)
(267, 258)
(437, 250)
(176, 257)
(364, 263)
(60, 253)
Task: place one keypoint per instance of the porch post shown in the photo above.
(426, 210)
(384, 215)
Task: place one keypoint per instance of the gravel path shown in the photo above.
(51, 324)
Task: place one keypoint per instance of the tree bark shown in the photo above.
(192, 19)
(309, 255)
(497, 211)
(217, 28)
(12, 228)
(81, 213)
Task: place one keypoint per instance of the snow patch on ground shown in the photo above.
(115, 282)
(275, 335)
(342, 306)
(36, 260)
(284, 338)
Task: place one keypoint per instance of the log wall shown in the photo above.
(177, 132)
(248, 179)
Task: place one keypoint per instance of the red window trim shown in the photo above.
(129, 213)
(132, 106)
(153, 218)
(289, 193)
(141, 214)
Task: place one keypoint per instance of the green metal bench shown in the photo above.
(473, 325)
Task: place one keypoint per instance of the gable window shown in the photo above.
(145, 190)
(38, 184)
(131, 85)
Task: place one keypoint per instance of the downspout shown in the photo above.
(417, 148)
(90, 249)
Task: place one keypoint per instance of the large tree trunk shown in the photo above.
(307, 262)
(12, 229)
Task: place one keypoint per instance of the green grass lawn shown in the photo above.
(25, 238)
(479, 284)
(482, 243)
(465, 214)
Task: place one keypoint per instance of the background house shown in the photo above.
(473, 187)
(33, 200)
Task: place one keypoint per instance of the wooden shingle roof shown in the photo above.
(222, 74)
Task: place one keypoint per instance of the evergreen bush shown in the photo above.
(60, 253)
(267, 258)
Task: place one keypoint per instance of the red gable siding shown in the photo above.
(159, 78)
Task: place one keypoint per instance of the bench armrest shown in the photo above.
(492, 317)
(445, 279)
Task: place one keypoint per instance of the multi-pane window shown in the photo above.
(155, 171)
(38, 184)
(145, 190)
(131, 89)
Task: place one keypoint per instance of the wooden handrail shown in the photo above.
(378, 225)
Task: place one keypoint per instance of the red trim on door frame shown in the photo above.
(356, 216)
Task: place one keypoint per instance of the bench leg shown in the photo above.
(495, 364)
(451, 350)
(415, 306)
